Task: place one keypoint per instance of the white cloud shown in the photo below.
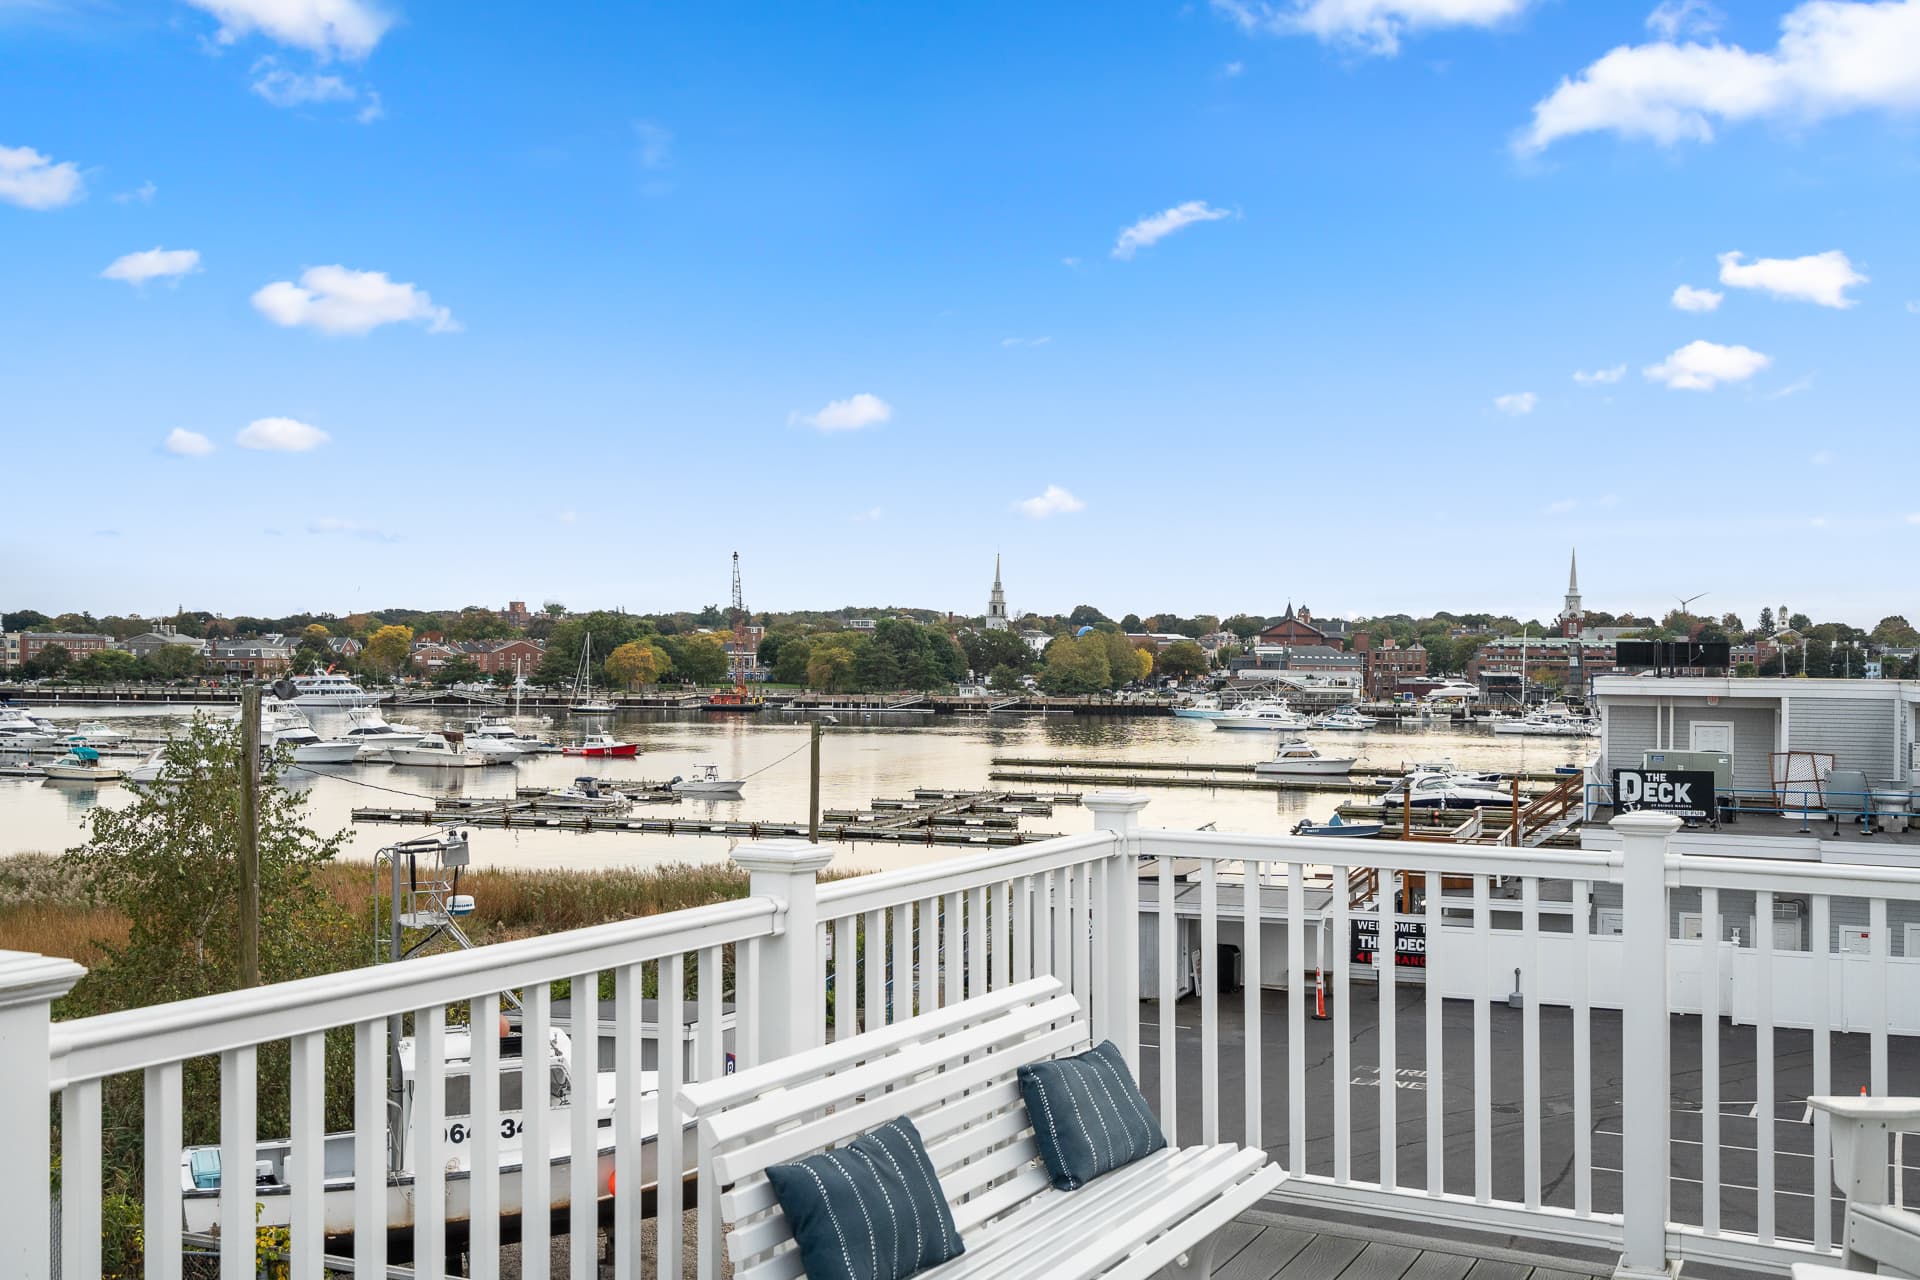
(1793, 388)
(34, 181)
(188, 444)
(1688, 298)
(285, 88)
(1373, 26)
(655, 141)
(1517, 403)
(1816, 522)
(280, 435)
(337, 300)
(1561, 507)
(1070, 262)
(1052, 501)
(1599, 377)
(1026, 342)
(153, 264)
(868, 516)
(1821, 458)
(325, 28)
(1675, 18)
(1821, 278)
(371, 109)
(1913, 517)
(1833, 58)
(349, 528)
(1914, 306)
(1232, 69)
(143, 194)
(851, 414)
(1159, 226)
(568, 516)
(1702, 366)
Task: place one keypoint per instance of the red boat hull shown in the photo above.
(624, 749)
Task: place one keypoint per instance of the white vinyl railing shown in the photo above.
(1423, 1094)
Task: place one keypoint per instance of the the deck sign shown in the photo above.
(1409, 942)
(1684, 793)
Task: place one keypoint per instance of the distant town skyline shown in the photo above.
(1378, 306)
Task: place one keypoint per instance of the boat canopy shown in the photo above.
(87, 754)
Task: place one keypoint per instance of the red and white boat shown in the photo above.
(600, 744)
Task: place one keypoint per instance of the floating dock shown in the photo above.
(745, 828)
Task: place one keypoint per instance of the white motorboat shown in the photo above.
(706, 781)
(436, 751)
(1447, 791)
(1454, 689)
(327, 751)
(148, 770)
(586, 795)
(495, 731)
(1299, 758)
(81, 764)
(21, 731)
(1275, 717)
(1549, 722)
(1205, 708)
(1345, 720)
(98, 734)
(375, 733)
(272, 1169)
(583, 701)
(326, 689)
(282, 722)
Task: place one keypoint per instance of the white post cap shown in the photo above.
(782, 857)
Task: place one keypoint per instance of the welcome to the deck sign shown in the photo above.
(1684, 793)
(1409, 942)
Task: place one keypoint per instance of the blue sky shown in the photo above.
(461, 303)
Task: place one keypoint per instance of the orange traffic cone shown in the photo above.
(1319, 995)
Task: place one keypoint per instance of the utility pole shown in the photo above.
(813, 787)
(249, 843)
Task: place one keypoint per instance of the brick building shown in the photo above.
(1387, 665)
(78, 644)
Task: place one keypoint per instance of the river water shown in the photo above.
(862, 758)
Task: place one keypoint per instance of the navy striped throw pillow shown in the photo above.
(871, 1210)
(1088, 1116)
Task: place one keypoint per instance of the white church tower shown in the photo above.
(997, 602)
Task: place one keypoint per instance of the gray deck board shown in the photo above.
(1485, 1270)
(1381, 1262)
(1439, 1266)
(1323, 1258)
(1265, 1255)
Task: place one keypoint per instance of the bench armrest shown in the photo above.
(1860, 1129)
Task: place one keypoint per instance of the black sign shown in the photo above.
(1409, 942)
(1667, 655)
(1685, 793)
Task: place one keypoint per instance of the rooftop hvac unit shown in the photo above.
(1718, 763)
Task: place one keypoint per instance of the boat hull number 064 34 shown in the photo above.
(460, 1131)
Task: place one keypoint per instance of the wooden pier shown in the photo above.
(1197, 766)
(972, 834)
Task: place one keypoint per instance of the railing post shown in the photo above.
(787, 871)
(1116, 988)
(29, 984)
(1645, 1072)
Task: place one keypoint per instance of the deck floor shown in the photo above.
(1276, 1245)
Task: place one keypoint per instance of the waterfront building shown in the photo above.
(1388, 664)
(997, 602)
(9, 648)
(1301, 659)
(1568, 660)
(164, 635)
(259, 659)
(1297, 628)
(512, 657)
(859, 624)
(78, 644)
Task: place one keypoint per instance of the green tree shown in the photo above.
(1076, 664)
(1183, 660)
(1799, 621)
(51, 660)
(1766, 620)
(1895, 630)
(986, 650)
(174, 662)
(459, 669)
(1245, 625)
(107, 666)
(1123, 666)
(830, 667)
(166, 862)
(702, 659)
(1132, 622)
(1085, 615)
(791, 666)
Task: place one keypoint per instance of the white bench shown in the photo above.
(954, 1073)
(1879, 1237)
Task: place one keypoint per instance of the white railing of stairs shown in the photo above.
(812, 962)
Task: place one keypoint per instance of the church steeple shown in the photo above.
(997, 601)
(1571, 614)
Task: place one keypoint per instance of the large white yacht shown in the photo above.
(325, 689)
(1274, 717)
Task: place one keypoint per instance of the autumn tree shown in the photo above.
(388, 649)
(635, 662)
(1183, 660)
